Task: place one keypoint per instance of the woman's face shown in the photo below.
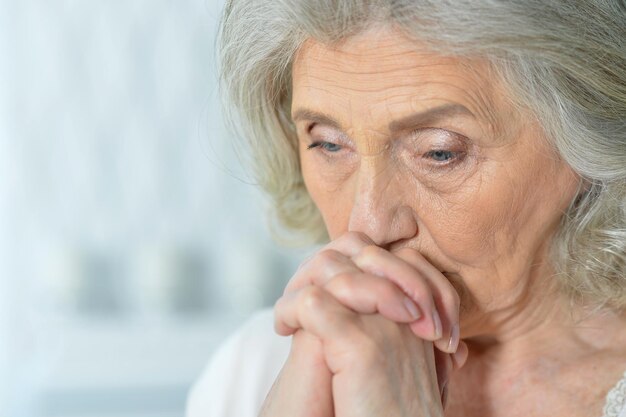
(416, 149)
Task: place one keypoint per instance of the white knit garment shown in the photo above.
(616, 400)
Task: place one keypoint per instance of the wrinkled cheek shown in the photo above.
(334, 204)
(485, 247)
(466, 232)
(472, 245)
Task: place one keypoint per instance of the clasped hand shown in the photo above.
(375, 333)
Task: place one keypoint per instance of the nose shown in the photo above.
(380, 207)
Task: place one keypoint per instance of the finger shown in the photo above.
(347, 341)
(348, 244)
(446, 298)
(368, 294)
(445, 367)
(322, 267)
(446, 364)
(380, 262)
(460, 356)
(315, 310)
(363, 293)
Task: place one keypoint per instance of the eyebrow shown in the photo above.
(432, 115)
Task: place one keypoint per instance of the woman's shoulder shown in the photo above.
(241, 371)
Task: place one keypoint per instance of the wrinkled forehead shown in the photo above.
(382, 74)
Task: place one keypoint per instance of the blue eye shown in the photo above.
(441, 155)
(327, 146)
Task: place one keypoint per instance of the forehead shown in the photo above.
(383, 74)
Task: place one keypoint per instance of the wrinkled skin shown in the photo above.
(472, 186)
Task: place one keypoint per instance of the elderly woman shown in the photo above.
(466, 161)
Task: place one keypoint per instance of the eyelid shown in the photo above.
(337, 137)
(425, 141)
(447, 139)
(447, 132)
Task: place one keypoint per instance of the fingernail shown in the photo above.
(453, 344)
(437, 323)
(411, 308)
(444, 395)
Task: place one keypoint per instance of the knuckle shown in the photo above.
(312, 298)
(409, 254)
(342, 283)
(359, 237)
(420, 293)
(327, 256)
(370, 251)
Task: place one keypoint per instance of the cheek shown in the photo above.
(493, 219)
(464, 226)
(333, 198)
(502, 230)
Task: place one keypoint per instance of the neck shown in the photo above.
(535, 341)
(565, 349)
(557, 334)
(542, 323)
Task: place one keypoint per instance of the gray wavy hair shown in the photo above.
(565, 61)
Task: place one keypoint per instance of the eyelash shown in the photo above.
(322, 144)
(456, 156)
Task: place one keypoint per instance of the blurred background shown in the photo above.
(131, 242)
